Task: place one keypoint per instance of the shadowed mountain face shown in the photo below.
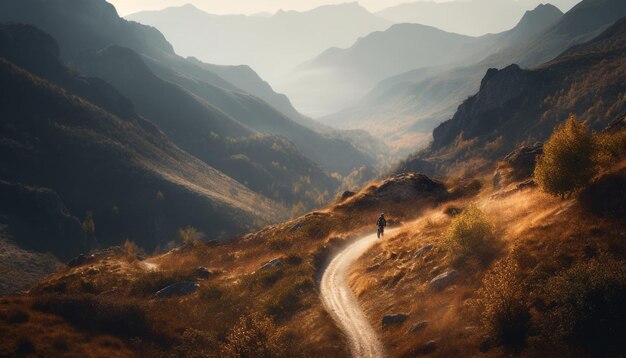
(198, 110)
(417, 101)
(517, 106)
(271, 45)
(123, 171)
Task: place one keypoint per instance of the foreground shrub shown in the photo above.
(254, 335)
(470, 235)
(611, 147)
(120, 319)
(567, 163)
(503, 306)
(589, 307)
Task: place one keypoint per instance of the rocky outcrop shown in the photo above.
(182, 288)
(423, 250)
(419, 326)
(443, 280)
(277, 262)
(394, 319)
(522, 160)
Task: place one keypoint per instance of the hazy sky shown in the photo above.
(125, 7)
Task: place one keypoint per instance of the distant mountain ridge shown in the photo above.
(271, 45)
(516, 106)
(417, 101)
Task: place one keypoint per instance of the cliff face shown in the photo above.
(515, 105)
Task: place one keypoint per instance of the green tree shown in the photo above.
(188, 235)
(567, 163)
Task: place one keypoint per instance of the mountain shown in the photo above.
(199, 96)
(473, 17)
(337, 77)
(516, 106)
(417, 101)
(69, 158)
(271, 45)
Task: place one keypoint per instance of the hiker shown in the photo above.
(381, 223)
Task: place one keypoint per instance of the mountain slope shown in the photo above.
(517, 106)
(202, 95)
(271, 45)
(418, 100)
(115, 168)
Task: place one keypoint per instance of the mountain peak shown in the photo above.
(539, 16)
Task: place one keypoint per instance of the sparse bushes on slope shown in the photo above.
(502, 303)
(589, 309)
(254, 335)
(471, 235)
(568, 161)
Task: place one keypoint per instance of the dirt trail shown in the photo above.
(342, 304)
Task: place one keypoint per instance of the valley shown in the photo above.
(176, 183)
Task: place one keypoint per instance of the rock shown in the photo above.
(423, 249)
(271, 264)
(496, 179)
(418, 326)
(427, 348)
(443, 280)
(346, 194)
(202, 272)
(522, 160)
(395, 318)
(373, 267)
(81, 260)
(527, 184)
(178, 289)
(295, 227)
(393, 255)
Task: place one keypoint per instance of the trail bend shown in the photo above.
(342, 305)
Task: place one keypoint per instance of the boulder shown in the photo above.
(271, 264)
(182, 288)
(373, 267)
(522, 160)
(202, 272)
(346, 194)
(423, 250)
(418, 326)
(81, 260)
(443, 280)
(394, 318)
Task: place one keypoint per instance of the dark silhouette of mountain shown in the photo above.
(417, 101)
(271, 45)
(515, 106)
(124, 171)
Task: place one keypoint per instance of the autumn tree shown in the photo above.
(567, 163)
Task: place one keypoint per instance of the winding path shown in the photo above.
(342, 304)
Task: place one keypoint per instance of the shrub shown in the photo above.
(470, 235)
(188, 236)
(197, 344)
(611, 147)
(502, 303)
(255, 335)
(286, 299)
(567, 163)
(588, 307)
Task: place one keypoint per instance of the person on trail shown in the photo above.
(381, 223)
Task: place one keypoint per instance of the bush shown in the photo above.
(470, 235)
(188, 236)
(502, 303)
(254, 336)
(568, 160)
(611, 147)
(588, 307)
